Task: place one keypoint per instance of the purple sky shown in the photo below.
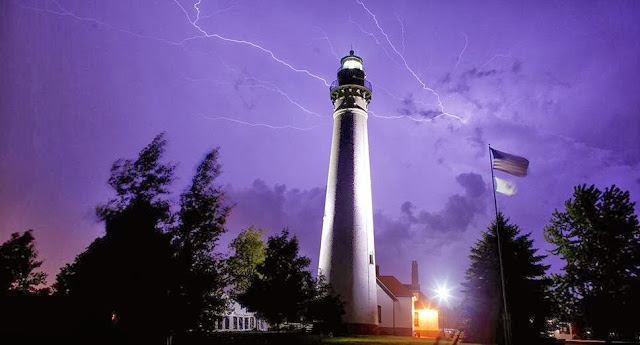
(87, 82)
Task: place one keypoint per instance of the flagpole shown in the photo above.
(506, 327)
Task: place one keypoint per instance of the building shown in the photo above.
(403, 309)
(347, 254)
(239, 319)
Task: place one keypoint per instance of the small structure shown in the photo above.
(403, 309)
(239, 319)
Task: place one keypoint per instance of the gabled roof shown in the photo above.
(395, 286)
(385, 289)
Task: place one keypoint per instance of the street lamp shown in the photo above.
(442, 295)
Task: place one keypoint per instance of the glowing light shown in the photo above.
(352, 64)
(428, 314)
(443, 293)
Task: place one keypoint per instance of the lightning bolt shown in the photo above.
(251, 124)
(194, 23)
(461, 52)
(326, 38)
(406, 65)
(267, 85)
(65, 12)
(233, 5)
(402, 32)
(374, 38)
(412, 118)
(497, 55)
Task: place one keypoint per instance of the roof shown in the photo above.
(423, 302)
(395, 286)
(385, 289)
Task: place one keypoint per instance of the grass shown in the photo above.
(385, 340)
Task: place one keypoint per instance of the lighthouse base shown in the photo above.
(362, 328)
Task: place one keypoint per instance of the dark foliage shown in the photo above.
(153, 273)
(18, 265)
(282, 290)
(598, 236)
(526, 287)
(201, 218)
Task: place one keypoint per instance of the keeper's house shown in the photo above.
(403, 309)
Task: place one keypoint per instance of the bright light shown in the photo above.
(351, 63)
(442, 293)
(428, 314)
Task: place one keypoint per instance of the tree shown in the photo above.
(282, 289)
(248, 252)
(598, 237)
(326, 308)
(154, 271)
(203, 212)
(18, 265)
(143, 181)
(526, 287)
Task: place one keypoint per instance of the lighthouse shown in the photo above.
(347, 254)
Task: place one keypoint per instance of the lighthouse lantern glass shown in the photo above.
(351, 64)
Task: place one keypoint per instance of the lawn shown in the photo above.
(385, 340)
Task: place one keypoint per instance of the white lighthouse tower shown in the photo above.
(347, 255)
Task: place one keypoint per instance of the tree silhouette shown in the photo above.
(282, 289)
(598, 236)
(203, 212)
(154, 271)
(18, 265)
(525, 281)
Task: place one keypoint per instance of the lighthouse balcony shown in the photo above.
(360, 82)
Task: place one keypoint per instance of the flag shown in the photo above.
(505, 187)
(512, 164)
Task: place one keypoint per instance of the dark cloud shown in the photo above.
(454, 218)
(276, 207)
(516, 67)
(431, 238)
(409, 107)
(473, 184)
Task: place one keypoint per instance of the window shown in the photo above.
(226, 322)
(379, 314)
(416, 319)
(261, 324)
(252, 322)
(370, 259)
(246, 323)
(240, 321)
(235, 322)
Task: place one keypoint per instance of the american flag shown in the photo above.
(512, 164)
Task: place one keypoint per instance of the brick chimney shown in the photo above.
(415, 283)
